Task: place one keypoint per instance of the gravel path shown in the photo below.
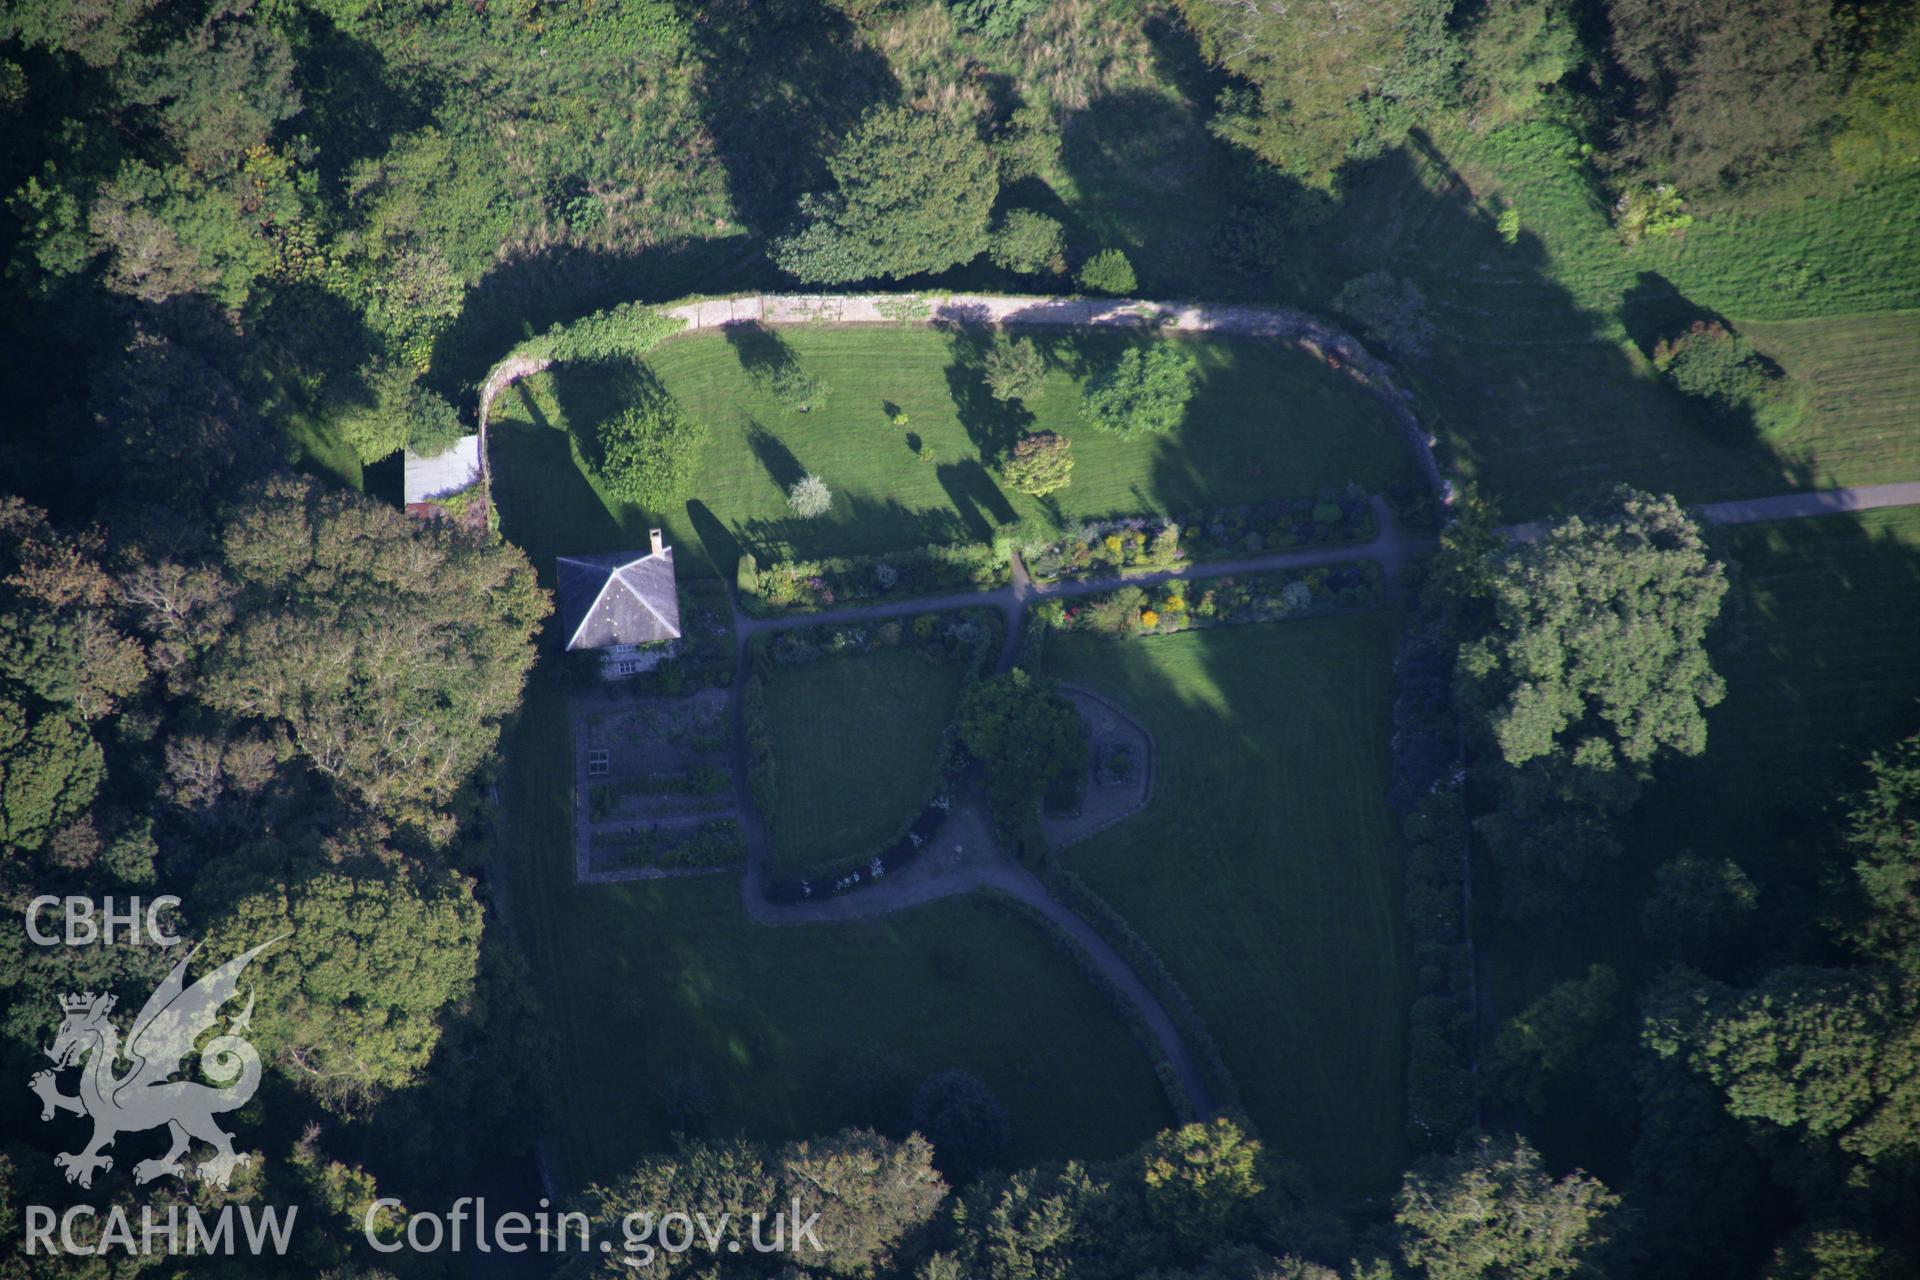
(1785, 506)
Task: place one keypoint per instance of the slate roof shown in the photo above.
(620, 597)
(444, 473)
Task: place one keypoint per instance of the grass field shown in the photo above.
(1538, 369)
(651, 985)
(1265, 421)
(1266, 869)
(857, 740)
(1861, 376)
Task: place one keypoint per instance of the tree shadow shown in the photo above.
(1654, 309)
(977, 499)
(761, 351)
(992, 425)
(773, 455)
(845, 530)
(532, 291)
(717, 542)
(783, 82)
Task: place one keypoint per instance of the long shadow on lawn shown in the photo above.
(982, 507)
(992, 424)
(1533, 392)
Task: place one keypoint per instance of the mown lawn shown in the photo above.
(1265, 422)
(1266, 870)
(1861, 376)
(856, 740)
(656, 992)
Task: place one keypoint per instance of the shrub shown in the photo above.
(1149, 619)
(1509, 225)
(649, 453)
(1391, 310)
(809, 498)
(1144, 392)
(1015, 368)
(1655, 210)
(795, 388)
(1040, 464)
(746, 574)
(1029, 244)
(1108, 272)
(997, 19)
(1718, 367)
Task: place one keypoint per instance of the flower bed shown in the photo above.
(1146, 544)
(718, 843)
(801, 586)
(1218, 602)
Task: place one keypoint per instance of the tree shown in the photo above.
(1143, 392)
(871, 1194)
(733, 1183)
(50, 768)
(387, 649)
(1027, 733)
(1108, 272)
(913, 193)
(1015, 368)
(392, 411)
(1551, 1037)
(1203, 1183)
(1058, 1220)
(1322, 82)
(1491, 1212)
(1725, 92)
(1558, 831)
(966, 1124)
(1518, 48)
(1040, 464)
(1831, 1056)
(1739, 388)
(808, 497)
(995, 19)
(650, 452)
(1597, 642)
(1883, 834)
(1390, 309)
(1696, 906)
(350, 1002)
(1836, 1251)
(1029, 243)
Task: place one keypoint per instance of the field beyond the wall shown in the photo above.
(1266, 421)
(1266, 869)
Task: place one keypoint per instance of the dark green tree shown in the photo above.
(1696, 907)
(649, 453)
(1551, 1038)
(913, 193)
(1027, 733)
(958, 1114)
(1491, 1212)
(1883, 834)
(351, 1002)
(1015, 368)
(1143, 392)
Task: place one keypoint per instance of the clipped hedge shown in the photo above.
(807, 586)
(1427, 790)
(624, 332)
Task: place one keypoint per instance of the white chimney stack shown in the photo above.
(659, 543)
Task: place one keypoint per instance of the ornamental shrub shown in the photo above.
(1029, 244)
(1108, 272)
(1015, 369)
(1039, 464)
(1149, 619)
(1714, 365)
(648, 454)
(809, 498)
(1144, 392)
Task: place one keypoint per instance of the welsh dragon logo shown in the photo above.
(144, 1097)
